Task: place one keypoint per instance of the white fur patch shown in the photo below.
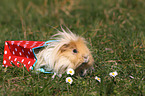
(48, 57)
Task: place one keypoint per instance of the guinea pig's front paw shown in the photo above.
(83, 73)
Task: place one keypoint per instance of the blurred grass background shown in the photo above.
(115, 30)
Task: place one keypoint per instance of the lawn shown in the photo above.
(114, 29)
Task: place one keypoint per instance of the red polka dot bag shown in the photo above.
(22, 53)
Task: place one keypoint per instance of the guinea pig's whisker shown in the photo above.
(57, 57)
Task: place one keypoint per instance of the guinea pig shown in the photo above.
(67, 51)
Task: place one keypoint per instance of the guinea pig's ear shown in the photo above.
(64, 47)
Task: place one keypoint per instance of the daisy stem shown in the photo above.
(68, 88)
(114, 81)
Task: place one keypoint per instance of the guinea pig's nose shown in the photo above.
(86, 58)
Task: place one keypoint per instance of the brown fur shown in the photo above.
(68, 51)
(77, 59)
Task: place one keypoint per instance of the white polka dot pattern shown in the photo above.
(15, 59)
(9, 57)
(28, 52)
(15, 49)
(23, 50)
(6, 43)
(20, 52)
(29, 62)
(4, 62)
(5, 52)
(30, 67)
(22, 60)
(13, 52)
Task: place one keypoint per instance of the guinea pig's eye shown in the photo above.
(75, 51)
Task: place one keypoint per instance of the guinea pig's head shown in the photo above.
(76, 55)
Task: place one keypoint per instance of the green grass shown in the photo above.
(115, 30)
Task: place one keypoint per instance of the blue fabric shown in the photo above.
(45, 44)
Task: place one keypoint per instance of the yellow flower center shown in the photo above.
(69, 80)
(98, 78)
(70, 71)
(113, 73)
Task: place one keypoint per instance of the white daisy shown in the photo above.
(113, 73)
(70, 71)
(69, 80)
(98, 79)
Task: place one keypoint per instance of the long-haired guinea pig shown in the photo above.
(68, 51)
